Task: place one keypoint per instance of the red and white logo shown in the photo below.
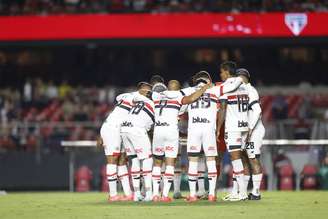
(169, 148)
(296, 22)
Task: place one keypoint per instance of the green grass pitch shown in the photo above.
(94, 205)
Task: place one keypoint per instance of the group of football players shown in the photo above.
(144, 127)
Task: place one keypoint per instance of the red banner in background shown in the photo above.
(176, 25)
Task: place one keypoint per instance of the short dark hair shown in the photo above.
(143, 83)
(198, 77)
(229, 66)
(156, 79)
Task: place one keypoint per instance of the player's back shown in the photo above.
(141, 115)
(237, 109)
(202, 113)
(167, 110)
(121, 109)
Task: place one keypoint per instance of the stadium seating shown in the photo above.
(83, 176)
(286, 178)
(309, 179)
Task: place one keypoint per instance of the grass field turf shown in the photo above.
(94, 205)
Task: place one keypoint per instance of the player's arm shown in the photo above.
(230, 85)
(221, 117)
(255, 112)
(194, 96)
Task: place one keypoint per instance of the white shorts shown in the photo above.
(202, 138)
(166, 142)
(136, 142)
(112, 141)
(253, 146)
(235, 141)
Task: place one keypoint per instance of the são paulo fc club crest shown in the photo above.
(296, 22)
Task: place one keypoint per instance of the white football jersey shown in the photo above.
(254, 113)
(167, 110)
(141, 114)
(121, 110)
(203, 112)
(237, 108)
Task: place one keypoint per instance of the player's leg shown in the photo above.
(253, 151)
(201, 193)
(177, 178)
(158, 155)
(210, 151)
(171, 153)
(143, 149)
(247, 167)
(112, 146)
(135, 165)
(234, 144)
(123, 175)
(193, 149)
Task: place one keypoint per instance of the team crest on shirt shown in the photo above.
(296, 22)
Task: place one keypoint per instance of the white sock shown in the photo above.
(256, 184)
(168, 180)
(246, 178)
(135, 173)
(192, 177)
(177, 181)
(123, 175)
(147, 165)
(238, 169)
(156, 175)
(111, 171)
(235, 188)
(212, 176)
(201, 173)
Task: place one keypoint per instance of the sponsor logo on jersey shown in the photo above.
(200, 120)
(127, 124)
(158, 123)
(242, 124)
(169, 148)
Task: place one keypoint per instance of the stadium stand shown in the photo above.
(43, 7)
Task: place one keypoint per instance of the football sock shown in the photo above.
(147, 165)
(238, 169)
(168, 179)
(256, 184)
(135, 173)
(192, 177)
(247, 177)
(156, 175)
(177, 181)
(235, 189)
(112, 179)
(201, 173)
(123, 175)
(212, 176)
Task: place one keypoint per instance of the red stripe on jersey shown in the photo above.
(221, 90)
(191, 174)
(149, 107)
(168, 102)
(214, 96)
(232, 97)
(127, 103)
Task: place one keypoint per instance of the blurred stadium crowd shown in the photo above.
(27, 7)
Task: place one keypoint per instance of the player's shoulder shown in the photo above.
(187, 91)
